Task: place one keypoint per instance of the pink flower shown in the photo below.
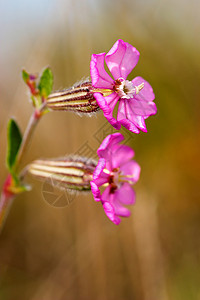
(117, 172)
(135, 97)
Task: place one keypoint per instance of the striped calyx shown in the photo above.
(78, 99)
(73, 173)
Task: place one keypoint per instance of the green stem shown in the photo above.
(5, 204)
(7, 197)
(34, 119)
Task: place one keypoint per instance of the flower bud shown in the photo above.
(73, 173)
(79, 99)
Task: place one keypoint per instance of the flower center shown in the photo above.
(116, 178)
(126, 89)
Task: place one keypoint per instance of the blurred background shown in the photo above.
(74, 251)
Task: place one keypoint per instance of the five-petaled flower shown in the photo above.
(116, 171)
(135, 97)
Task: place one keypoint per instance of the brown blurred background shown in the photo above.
(75, 252)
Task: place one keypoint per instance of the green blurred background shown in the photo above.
(75, 252)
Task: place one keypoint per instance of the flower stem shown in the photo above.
(5, 204)
(34, 119)
(6, 198)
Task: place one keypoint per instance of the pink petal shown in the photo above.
(109, 210)
(113, 122)
(132, 169)
(99, 168)
(122, 211)
(107, 104)
(137, 120)
(119, 209)
(129, 125)
(99, 178)
(121, 59)
(121, 115)
(103, 177)
(112, 198)
(121, 110)
(106, 194)
(146, 93)
(121, 154)
(112, 100)
(142, 107)
(95, 191)
(122, 118)
(103, 103)
(126, 194)
(140, 123)
(100, 78)
(110, 140)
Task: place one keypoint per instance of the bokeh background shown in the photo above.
(75, 252)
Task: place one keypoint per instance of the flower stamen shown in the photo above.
(126, 89)
(138, 88)
(106, 171)
(105, 184)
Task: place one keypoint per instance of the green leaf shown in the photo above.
(25, 76)
(14, 141)
(46, 83)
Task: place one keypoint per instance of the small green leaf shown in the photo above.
(14, 141)
(25, 76)
(46, 83)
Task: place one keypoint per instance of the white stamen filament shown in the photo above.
(138, 88)
(125, 178)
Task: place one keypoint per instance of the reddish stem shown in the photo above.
(5, 201)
